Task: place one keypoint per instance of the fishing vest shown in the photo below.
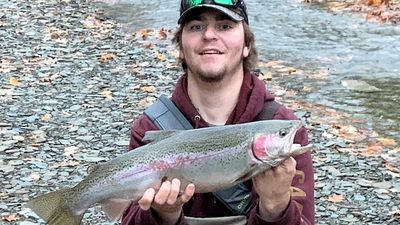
(166, 116)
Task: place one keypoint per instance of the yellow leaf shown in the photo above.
(14, 81)
(143, 34)
(107, 94)
(148, 89)
(160, 56)
(335, 198)
(46, 117)
(105, 57)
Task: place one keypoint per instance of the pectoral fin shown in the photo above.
(114, 208)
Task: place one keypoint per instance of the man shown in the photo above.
(217, 52)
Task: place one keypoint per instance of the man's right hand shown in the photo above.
(167, 202)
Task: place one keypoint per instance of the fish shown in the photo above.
(211, 158)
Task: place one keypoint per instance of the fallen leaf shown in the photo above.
(105, 57)
(335, 198)
(142, 33)
(107, 94)
(160, 56)
(373, 149)
(10, 218)
(174, 53)
(46, 117)
(14, 81)
(162, 34)
(148, 89)
(91, 22)
(148, 45)
(387, 142)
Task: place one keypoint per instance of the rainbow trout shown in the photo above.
(212, 158)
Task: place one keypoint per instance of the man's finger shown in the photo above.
(175, 188)
(147, 199)
(188, 194)
(162, 194)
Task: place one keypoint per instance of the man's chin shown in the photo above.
(211, 77)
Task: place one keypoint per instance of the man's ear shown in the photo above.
(246, 51)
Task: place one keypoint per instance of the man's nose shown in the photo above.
(210, 33)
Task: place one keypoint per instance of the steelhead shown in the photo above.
(212, 158)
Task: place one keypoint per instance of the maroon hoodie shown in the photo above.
(251, 102)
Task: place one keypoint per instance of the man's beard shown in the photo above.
(217, 76)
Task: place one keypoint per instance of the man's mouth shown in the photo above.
(210, 52)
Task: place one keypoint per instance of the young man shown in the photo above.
(217, 52)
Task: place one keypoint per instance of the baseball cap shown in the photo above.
(235, 9)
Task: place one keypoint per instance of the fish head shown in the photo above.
(277, 143)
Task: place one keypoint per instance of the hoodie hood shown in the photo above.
(252, 96)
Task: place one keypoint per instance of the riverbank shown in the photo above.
(379, 11)
(73, 80)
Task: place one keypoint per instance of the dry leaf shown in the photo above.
(148, 45)
(107, 94)
(105, 57)
(91, 22)
(162, 34)
(14, 81)
(387, 142)
(143, 34)
(265, 77)
(160, 56)
(11, 217)
(373, 149)
(148, 89)
(46, 117)
(335, 198)
(174, 53)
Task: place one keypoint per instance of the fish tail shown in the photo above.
(54, 209)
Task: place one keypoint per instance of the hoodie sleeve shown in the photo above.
(301, 209)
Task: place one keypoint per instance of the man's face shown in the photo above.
(213, 46)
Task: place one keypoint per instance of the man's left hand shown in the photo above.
(273, 187)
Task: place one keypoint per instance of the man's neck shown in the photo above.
(215, 101)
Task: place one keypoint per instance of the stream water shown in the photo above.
(340, 46)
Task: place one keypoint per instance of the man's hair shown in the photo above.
(250, 62)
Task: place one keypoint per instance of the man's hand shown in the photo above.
(167, 202)
(273, 187)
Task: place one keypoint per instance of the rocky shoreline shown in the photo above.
(73, 80)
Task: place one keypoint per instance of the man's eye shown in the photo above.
(196, 27)
(224, 26)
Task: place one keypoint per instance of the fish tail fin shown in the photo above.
(53, 209)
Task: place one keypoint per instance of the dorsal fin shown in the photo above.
(158, 135)
(93, 167)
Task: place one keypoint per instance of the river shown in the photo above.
(339, 46)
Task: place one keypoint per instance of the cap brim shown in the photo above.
(233, 15)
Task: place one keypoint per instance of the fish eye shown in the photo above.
(283, 132)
